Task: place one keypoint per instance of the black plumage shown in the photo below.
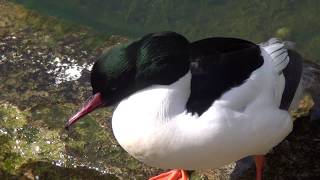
(217, 65)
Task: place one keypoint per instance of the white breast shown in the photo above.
(153, 126)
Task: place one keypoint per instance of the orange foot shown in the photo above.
(176, 174)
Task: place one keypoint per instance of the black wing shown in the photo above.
(292, 74)
(217, 65)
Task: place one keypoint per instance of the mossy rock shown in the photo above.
(283, 33)
(48, 171)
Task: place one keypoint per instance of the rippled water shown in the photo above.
(253, 20)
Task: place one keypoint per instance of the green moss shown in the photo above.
(46, 170)
(283, 33)
(11, 122)
(11, 117)
(21, 142)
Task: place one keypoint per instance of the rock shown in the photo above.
(45, 170)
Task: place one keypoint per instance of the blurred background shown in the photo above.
(46, 51)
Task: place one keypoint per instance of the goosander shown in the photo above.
(196, 105)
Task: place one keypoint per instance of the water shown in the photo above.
(255, 20)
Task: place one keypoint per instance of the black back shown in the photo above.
(217, 65)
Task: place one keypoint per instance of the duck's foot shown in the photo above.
(259, 160)
(176, 174)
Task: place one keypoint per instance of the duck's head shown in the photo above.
(158, 58)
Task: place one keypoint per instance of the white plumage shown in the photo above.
(153, 125)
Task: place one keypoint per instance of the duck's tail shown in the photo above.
(309, 82)
(295, 67)
(289, 63)
(277, 49)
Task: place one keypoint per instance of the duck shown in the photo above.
(196, 105)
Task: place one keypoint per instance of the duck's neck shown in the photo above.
(156, 103)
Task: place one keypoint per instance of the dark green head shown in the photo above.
(159, 58)
(155, 59)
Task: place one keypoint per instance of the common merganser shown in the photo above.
(189, 106)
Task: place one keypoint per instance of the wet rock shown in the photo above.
(44, 170)
(35, 61)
